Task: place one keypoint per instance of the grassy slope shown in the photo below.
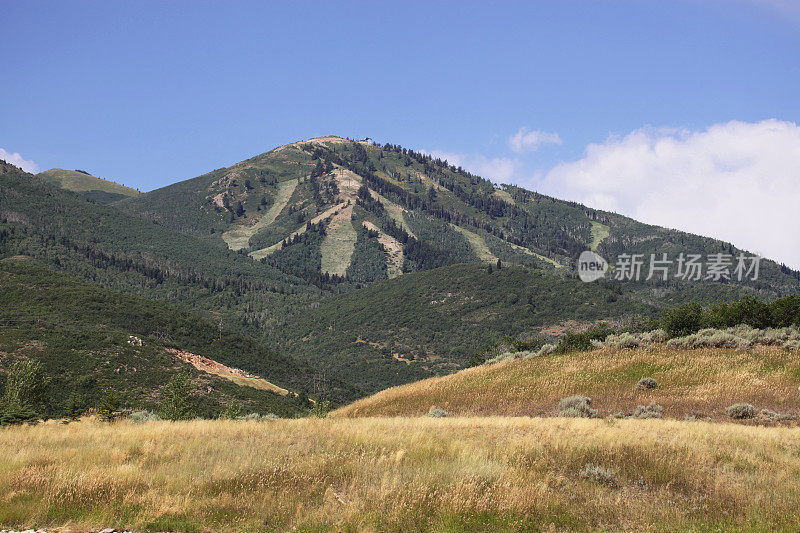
(75, 181)
(80, 332)
(460, 474)
(701, 383)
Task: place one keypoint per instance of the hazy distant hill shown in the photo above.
(98, 189)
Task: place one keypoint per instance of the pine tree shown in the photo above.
(109, 405)
(74, 407)
(177, 398)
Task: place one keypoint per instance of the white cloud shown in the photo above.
(497, 169)
(737, 181)
(16, 159)
(529, 141)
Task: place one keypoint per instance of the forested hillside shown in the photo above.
(91, 340)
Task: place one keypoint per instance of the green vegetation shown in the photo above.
(90, 340)
(692, 317)
(368, 262)
(96, 189)
(437, 320)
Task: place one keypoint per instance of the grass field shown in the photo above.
(401, 474)
(699, 383)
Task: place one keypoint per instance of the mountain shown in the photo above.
(98, 189)
(371, 265)
(336, 207)
(410, 231)
(91, 340)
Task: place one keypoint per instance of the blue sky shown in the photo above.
(148, 93)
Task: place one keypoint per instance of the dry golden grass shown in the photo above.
(395, 474)
(690, 382)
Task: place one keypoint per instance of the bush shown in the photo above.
(576, 407)
(741, 411)
(793, 345)
(647, 383)
(140, 417)
(582, 342)
(74, 407)
(650, 411)
(598, 474)
(257, 416)
(437, 412)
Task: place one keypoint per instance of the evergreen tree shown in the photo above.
(109, 405)
(24, 397)
(177, 398)
(74, 407)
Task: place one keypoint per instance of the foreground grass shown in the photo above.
(699, 383)
(459, 474)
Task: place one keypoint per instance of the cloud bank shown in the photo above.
(737, 181)
(16, 159)
(530, 141)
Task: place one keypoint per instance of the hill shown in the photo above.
(102, 245)
(691, 383)
(90, 340)
(98, 189)
(435, 322)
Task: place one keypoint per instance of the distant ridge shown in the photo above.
(99, 189)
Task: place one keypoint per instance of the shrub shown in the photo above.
(647, 383)
(598, 474)
(792, 345)
(140, 417)
(576, 407)
(741, 411)
(232, 411)
(320, 409)
(650, 411)
(258, 416)
(547, 349)
(437, 412)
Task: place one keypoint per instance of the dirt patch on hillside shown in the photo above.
(240, 377)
